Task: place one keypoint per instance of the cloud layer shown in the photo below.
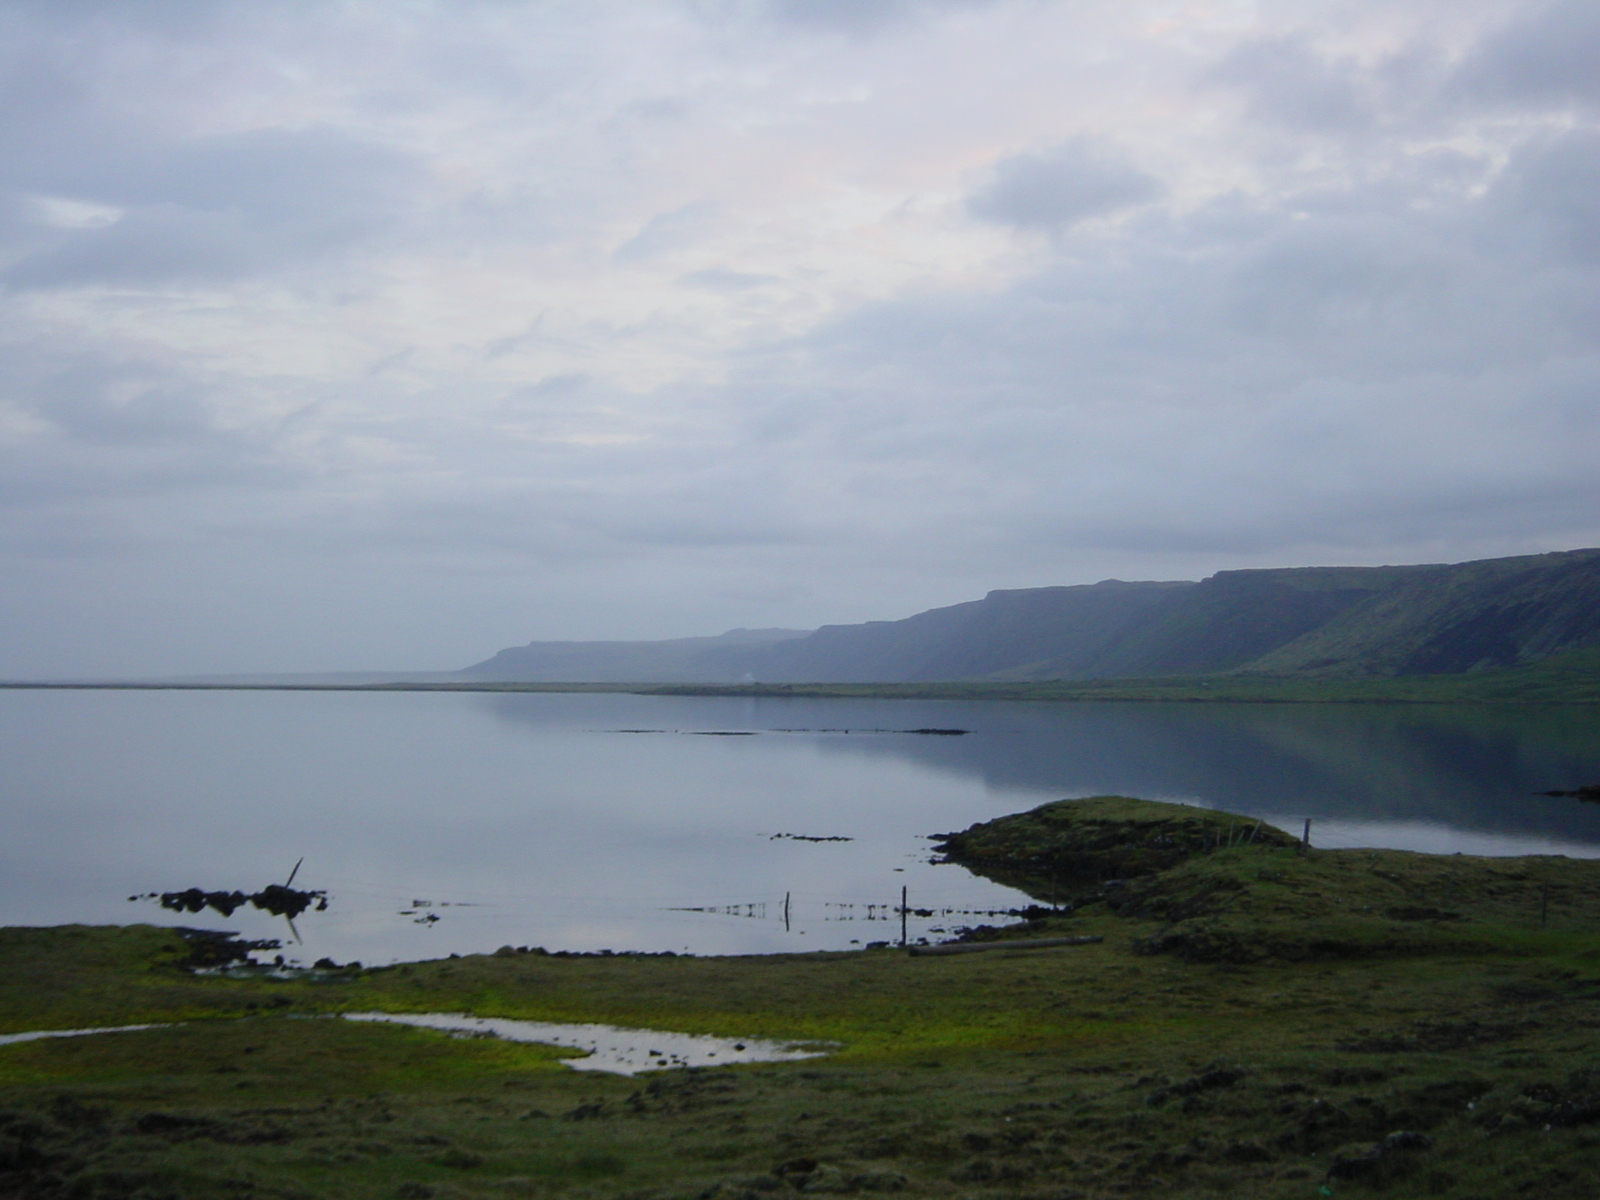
(356, 336)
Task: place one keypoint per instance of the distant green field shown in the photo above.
(1572, 678)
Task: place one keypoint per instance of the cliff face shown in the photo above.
(1316, 621)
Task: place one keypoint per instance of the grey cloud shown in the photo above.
(304, 173)
(116, 405)
(159, 244)
(1328, 277)
(1288, 81)
(1320, 371)
(669, 231)
(218, 208)
(1550, 55)
(1057, 189)
(720, 279)
(1372, 347)
(553, 387)
(860, 16)
(1549, 195)
(94, 426)
(531, 336)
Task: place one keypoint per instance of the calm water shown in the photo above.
(532, 820)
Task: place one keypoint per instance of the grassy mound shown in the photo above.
(1068, 843)
(1224, 888)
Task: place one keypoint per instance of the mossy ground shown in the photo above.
(1137, 1066)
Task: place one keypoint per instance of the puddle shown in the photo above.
(618, 1051)
(7, 1039)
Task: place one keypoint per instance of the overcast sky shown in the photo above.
(384, 334)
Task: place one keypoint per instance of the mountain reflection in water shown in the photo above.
(458, 823)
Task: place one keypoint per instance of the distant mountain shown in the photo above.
(1031, 633)
(1341, 622)
(723, 659)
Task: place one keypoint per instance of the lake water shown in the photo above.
(456, 822)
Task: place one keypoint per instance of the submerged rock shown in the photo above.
(276, 898)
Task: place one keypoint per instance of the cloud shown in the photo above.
(667, 232)
(1288, 80)
(1317, 371)
(859, 16)
(390, 327)
(720, 279)
(1058, 188)
(121, 404)
(1543, 56)
(216, 208)
(1549, 196)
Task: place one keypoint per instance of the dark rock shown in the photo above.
(212, 948)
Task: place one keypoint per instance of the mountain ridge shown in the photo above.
(1312, 622)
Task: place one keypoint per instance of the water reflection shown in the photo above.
(1480, 768)
(455, 823)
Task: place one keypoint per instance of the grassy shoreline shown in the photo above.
(1256, 1023)
(1572, 678)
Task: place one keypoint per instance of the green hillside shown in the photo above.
(1570, 678)
(1428, 630)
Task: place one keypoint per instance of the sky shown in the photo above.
(383, 334)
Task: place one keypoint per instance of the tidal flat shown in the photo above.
(1260, 1020)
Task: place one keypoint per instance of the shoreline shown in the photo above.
(1232, 1016)
(1482, 690)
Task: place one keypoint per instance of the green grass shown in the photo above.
(1252, 1018)
(1572, 678)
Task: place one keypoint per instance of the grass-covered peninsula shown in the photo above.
(1259, 1021)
